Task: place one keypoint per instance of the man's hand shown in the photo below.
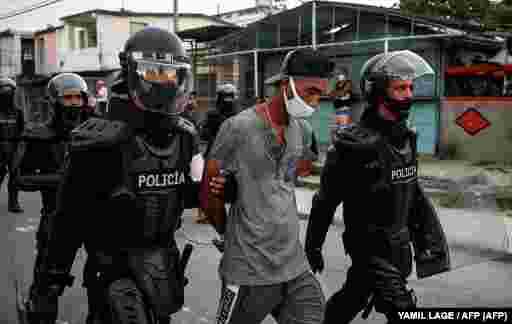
(304, 168)
(316, 260)
(212, 196)
(224, 185)
(217, 185)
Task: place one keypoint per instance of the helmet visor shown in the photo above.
(161, 81)
(403, 65)
(161, 73)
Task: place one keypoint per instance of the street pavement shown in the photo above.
(481, 275)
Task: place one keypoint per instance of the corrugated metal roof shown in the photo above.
(128, 13)
(394, 15)
(206, 33)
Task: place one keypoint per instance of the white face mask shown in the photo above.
(295, 106)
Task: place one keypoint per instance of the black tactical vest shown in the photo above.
(145, 195)
(159, 181)
(388, 183)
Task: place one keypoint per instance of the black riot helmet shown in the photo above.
(7, 90)
(64, 92)
(157, 70)
(66, 84)
(396, 65)
(226, 96)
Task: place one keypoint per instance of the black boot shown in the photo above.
(13, 204)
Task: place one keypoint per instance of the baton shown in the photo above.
(185, 257)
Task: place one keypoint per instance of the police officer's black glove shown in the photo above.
(316, 260)
(230, 187)
(42, 304)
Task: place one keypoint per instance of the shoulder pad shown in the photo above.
(99, 133)
(186, 126)
(356, 137)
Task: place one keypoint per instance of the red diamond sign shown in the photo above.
(472, 121)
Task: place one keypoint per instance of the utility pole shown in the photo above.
(175, 16)
(313, 24)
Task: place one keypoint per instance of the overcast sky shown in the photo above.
(39, 18)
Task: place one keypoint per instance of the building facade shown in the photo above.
(350, 34)
(16, 53)
(92, 40)
(89, 44)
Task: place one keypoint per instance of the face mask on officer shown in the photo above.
(70, 104)
(387, 81)
(342, 101)
(226, 103)
(311, 90)
(398, 98)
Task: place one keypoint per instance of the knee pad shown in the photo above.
(126, 303)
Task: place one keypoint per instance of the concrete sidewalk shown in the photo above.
(483, 229)
(477, 279)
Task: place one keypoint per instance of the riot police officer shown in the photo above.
(224, 108)
(39, 158)
(372, 168)
(11, 127)
(147, 163)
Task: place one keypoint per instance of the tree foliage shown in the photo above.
(492, 15)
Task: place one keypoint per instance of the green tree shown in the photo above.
(461, 9)
(492, 15)
(500, 16)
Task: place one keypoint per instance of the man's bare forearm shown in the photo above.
(212, 204)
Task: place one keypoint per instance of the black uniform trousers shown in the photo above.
(6, 167)
(370, 282)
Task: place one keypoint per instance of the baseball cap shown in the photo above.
(304, 62)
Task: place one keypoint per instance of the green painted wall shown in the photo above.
(424, 119)
(320, 120)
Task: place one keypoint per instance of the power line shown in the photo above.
(25, 10)
(28, 7)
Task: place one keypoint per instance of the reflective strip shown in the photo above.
(227, 304)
